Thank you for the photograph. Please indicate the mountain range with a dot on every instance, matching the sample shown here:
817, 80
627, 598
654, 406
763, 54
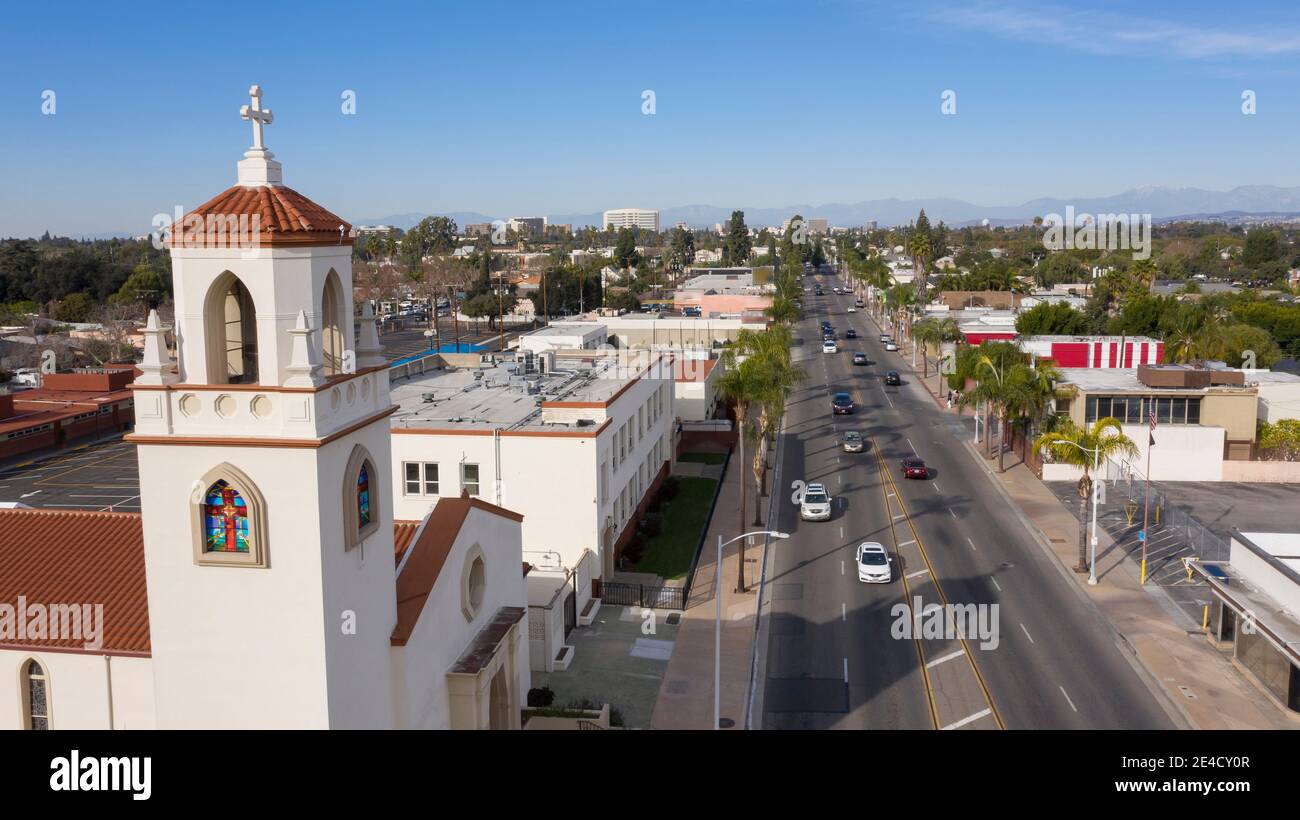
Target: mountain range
1162, 202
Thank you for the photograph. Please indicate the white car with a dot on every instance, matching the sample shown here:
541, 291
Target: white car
852, 309
874, 564
891, 345
829, 346
815, 504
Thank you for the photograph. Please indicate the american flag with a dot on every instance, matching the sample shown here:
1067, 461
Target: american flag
1152, 416
1152, 435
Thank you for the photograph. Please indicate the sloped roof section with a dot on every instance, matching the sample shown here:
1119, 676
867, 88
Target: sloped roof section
268, 214
60, 559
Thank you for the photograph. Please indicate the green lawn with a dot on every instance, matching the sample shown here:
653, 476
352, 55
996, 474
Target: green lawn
703, 458
669, 554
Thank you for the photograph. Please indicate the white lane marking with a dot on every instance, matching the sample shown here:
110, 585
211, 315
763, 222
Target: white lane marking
839, 479
1027, 635
900, 515
932, 664
846, 670
981, 713
919, 572
908, 542
995, 584
844, 612
841, 533
891, 494
950, 512
936, 487
841, 567
1067, 699
29, 495
913, 446
972, 544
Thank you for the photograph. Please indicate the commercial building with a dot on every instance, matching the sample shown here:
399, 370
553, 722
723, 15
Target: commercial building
67, 407
534, 226
645, 219
1094, 351
1255, 613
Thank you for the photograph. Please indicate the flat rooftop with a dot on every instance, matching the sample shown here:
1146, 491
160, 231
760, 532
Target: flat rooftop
568, 329
505, 397
1125, 380
1284, 546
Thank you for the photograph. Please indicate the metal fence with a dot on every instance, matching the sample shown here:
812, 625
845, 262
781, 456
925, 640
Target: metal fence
1170, 528
617, 593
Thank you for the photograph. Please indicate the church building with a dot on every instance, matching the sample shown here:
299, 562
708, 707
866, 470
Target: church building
265, 582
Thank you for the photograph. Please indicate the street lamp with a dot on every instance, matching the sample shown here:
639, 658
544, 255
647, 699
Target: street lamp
1096, 465
717, 627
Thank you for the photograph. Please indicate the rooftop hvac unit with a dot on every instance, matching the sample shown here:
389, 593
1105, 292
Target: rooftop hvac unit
478, 375
534, 386
428, 397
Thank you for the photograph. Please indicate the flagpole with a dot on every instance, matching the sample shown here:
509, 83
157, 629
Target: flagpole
1146, 497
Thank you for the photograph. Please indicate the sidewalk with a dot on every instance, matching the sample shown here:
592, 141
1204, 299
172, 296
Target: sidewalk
686, 694
1197, 679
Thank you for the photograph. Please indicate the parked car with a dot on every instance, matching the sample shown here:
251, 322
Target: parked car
884, 337
859, 358
852, 442
859, 303
914, 467
874, 563
891, 345
815, 504
842, 404
829, 346
892, 379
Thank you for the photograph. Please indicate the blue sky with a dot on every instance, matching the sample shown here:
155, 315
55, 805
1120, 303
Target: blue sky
508, 108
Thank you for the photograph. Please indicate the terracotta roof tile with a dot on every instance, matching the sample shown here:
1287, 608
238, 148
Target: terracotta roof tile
403, 532
53, 557
427, 556
284, 216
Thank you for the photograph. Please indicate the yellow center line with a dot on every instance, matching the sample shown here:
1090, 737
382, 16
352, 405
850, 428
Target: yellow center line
939, 588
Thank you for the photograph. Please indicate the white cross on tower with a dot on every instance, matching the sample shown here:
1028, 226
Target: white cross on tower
255, 113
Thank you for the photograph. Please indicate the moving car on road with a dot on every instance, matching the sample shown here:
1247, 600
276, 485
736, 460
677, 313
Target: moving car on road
892, 379
852, 442
914, 467
859, 358
852, 309
816, 503
829, 346
850, 334
884, 337
874, 563
842, 404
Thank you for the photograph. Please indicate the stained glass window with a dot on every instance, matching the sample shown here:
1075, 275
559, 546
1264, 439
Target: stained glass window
38, 710
225, 520
363, 497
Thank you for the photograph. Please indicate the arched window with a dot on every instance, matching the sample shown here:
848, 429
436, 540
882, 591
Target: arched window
332, 321
36, 700
231, 326
229, 519
225, 519
362, 496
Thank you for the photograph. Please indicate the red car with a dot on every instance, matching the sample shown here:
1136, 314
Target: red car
915, 468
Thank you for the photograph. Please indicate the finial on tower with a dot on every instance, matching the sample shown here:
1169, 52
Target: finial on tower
258, 166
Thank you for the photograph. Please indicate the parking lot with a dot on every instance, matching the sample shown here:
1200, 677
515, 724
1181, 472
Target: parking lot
99, 476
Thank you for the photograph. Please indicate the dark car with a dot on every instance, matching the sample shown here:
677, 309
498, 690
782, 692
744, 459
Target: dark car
915, 468
891, 378
842, 404
859, 358
850, 334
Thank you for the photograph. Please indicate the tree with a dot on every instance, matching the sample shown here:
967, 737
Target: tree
918, 247
1240, 341
144, 285
1280, 440
735, 249
622, 300
625, 253
1081, 447
1049, 319
75, 307
1261, 247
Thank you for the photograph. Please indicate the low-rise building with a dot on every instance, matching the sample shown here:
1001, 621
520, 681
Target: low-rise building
65, 408
1255, 610
1094, 351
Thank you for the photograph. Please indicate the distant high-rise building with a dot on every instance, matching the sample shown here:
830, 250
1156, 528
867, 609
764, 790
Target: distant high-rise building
642, 218
531, 225
478, 229
817, 225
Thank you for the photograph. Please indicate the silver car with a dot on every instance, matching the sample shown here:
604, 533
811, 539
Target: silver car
852, 442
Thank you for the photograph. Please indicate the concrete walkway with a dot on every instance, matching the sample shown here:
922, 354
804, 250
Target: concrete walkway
686, 694
1199, 681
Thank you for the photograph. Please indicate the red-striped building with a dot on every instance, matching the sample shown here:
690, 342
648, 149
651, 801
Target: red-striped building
1095, 351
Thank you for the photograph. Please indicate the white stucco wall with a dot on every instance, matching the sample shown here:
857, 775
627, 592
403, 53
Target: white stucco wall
442, 632
77, 690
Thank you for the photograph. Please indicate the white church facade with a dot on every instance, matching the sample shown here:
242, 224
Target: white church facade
265, 583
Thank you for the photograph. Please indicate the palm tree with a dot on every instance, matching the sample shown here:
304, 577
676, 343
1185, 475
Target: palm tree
1082, 447
740, 386
926, 332
918, 247
782, 310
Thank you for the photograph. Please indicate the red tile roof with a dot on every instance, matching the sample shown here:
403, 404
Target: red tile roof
284, 216
403, 532
428, 555
51, 557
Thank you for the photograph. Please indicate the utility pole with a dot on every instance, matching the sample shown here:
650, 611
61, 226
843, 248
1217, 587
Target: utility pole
1146, 493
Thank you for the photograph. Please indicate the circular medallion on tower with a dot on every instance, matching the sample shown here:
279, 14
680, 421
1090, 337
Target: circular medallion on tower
226, 405
260, 406
190, 404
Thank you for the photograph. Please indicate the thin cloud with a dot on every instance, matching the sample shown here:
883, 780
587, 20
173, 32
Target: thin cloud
1102, 32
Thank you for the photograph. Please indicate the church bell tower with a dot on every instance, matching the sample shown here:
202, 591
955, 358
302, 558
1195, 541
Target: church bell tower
265, 474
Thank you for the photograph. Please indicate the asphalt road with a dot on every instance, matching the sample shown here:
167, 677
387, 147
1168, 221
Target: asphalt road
832, 658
